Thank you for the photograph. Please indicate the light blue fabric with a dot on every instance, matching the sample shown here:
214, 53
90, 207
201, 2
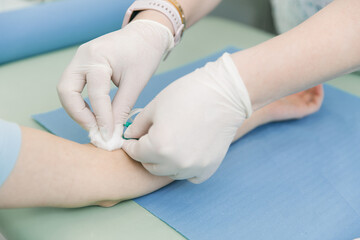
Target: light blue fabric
10, 143
50, 26
290, 13
288, 180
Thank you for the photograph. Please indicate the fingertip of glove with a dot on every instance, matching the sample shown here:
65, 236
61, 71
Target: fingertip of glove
126, 146
128, 133
196, 180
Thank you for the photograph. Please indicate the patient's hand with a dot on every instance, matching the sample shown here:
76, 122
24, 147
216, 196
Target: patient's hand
294, 106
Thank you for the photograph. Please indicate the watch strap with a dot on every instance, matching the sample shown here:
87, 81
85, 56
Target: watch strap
165, 7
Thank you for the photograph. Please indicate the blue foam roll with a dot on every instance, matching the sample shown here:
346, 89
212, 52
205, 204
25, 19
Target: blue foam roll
50, 26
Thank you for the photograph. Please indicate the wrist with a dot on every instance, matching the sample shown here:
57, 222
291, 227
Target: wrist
245, 65
263, 116
258, 118
157, 17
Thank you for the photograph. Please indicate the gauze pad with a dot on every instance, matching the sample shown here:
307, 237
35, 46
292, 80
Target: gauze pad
117, 140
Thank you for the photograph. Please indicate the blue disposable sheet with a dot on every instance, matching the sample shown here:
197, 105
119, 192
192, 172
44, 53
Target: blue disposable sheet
49, 26
289, 180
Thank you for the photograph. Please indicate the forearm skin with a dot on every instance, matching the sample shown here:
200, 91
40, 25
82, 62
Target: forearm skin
323, 47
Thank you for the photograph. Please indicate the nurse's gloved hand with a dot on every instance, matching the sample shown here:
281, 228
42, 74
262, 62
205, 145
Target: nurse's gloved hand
185, 132
128, 58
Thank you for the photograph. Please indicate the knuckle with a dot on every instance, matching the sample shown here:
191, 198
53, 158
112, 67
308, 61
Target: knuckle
121, 116
89, 48
83, 48
94, 49
62, 88
66, 81
124, 111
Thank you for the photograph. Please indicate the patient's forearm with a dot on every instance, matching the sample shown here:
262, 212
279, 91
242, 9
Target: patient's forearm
52, 171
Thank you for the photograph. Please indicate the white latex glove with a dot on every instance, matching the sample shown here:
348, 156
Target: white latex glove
127, 57
187, 129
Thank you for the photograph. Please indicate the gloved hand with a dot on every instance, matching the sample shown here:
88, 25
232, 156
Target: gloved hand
128, 58
187, 129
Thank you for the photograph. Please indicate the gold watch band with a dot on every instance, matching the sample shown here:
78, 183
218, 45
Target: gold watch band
180, 10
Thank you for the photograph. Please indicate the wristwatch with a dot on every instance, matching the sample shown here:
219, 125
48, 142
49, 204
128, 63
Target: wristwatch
171, 9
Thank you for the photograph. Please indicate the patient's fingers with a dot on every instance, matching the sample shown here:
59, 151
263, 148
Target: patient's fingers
316, 96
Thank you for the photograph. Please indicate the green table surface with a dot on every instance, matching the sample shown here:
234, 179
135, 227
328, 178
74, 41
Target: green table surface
29, 86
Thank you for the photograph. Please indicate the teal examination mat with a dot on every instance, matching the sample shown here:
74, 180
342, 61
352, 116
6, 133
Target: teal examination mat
297, 179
